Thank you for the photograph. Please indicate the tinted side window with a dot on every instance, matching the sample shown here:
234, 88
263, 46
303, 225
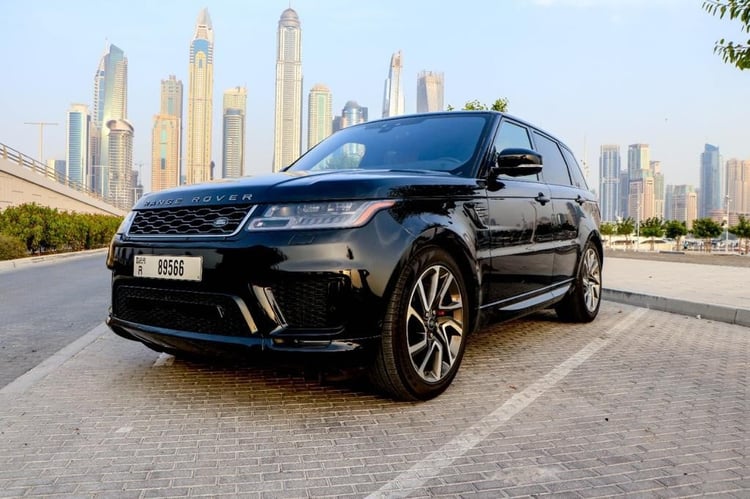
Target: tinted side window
554, 169
575, 170
512, 135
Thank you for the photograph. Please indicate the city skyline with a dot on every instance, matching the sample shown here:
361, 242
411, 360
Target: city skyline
686, 101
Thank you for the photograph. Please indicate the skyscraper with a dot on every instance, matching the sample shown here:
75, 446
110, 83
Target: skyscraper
287, 141
77, 144
609, 182
638, 170
120, 154
738, 188
319, 114
233, 152
166, 138
353, 114
711, 182
683, 204
110, 103
200, 101
656, 173
393, 97
430, 89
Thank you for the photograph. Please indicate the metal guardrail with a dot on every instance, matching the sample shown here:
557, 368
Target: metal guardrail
17, 157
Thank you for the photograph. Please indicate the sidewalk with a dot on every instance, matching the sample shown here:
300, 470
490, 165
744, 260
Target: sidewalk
712, 292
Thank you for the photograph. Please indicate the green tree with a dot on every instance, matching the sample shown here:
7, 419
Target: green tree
706, 229
608, 229
675, 229
734, 53
742, 231
500, 104
625, 227
651, 228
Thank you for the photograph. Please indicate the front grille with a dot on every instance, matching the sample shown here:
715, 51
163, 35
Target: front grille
194, 311
189, 221
310, 302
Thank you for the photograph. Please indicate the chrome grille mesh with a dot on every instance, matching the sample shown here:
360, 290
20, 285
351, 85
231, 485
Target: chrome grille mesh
189, 221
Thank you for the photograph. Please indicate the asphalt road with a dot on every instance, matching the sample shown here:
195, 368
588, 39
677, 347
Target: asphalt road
45, 306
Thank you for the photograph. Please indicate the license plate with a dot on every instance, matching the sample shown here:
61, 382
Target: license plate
182, 268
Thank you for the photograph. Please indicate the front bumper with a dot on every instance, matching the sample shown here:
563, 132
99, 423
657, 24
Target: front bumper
296, 293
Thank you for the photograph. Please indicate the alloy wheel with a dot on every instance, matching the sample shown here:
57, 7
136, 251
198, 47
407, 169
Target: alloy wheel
435, 323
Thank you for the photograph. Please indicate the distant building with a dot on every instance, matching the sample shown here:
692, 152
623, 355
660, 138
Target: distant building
77, 145
56, 169
233, 150
638, 169
288, 109
200, 101
393, 96
319, 114
166, 137
110, 103
738, 187
683, 204
430, 90
120, 154
609, 182
353, 114
711, 182
656, 173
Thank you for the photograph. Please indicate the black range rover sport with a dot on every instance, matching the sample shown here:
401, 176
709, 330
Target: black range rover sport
387, 243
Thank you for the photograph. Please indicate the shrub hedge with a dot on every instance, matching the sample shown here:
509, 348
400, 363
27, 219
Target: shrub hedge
40, 229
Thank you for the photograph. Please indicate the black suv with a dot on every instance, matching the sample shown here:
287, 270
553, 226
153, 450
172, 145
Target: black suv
386, 244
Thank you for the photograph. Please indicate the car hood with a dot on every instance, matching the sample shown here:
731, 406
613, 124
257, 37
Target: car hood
300, 186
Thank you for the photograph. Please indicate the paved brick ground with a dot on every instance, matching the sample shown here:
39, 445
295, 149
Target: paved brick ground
656, 408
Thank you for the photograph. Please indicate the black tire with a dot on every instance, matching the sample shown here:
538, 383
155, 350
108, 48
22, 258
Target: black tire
424, 330
582, 303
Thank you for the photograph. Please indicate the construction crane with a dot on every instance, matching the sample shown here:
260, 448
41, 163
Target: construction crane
41, 125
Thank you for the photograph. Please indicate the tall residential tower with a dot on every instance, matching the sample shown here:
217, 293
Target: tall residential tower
166, 138
110, 103
77, 144
609, 182
711, 182
430, 89
287, 141
233, 151
200, 101
393, 98
319, 114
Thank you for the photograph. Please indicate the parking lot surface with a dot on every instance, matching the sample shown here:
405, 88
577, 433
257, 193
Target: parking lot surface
639, 403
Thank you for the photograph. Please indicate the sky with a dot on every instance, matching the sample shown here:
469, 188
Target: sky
591, 72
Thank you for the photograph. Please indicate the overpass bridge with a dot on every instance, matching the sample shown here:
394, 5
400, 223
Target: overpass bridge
26, 180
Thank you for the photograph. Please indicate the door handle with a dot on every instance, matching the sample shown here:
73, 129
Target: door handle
541, 199
580, 199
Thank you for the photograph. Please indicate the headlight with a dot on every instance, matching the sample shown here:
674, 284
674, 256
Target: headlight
125, 225
323, 215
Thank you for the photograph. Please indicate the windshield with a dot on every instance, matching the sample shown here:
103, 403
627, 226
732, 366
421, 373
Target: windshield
440, 142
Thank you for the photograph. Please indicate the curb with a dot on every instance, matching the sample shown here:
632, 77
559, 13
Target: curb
31, 260
706, 311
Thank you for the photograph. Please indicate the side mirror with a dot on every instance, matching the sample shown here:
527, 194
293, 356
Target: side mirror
517, 162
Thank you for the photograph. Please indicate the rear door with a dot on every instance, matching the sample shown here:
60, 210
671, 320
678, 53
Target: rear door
567, 203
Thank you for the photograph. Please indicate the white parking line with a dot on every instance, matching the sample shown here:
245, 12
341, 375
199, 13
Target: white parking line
23, 382
429, 468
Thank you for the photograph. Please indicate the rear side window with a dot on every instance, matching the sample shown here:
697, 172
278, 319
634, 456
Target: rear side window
575, 170
554, 169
